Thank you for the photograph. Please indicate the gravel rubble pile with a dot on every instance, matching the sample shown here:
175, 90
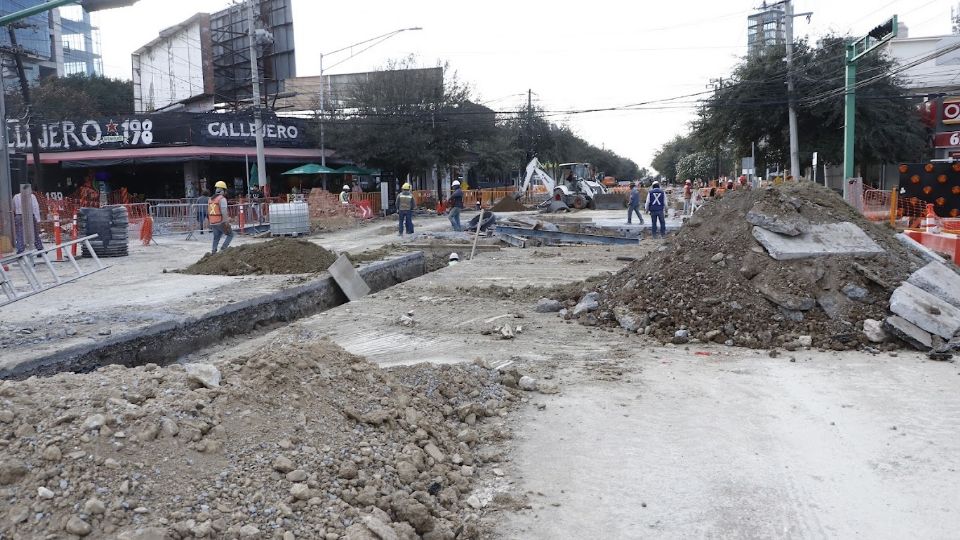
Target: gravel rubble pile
276, 256
301, 441
714, 282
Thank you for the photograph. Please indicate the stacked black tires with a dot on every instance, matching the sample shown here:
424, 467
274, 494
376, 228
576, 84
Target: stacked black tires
111, 224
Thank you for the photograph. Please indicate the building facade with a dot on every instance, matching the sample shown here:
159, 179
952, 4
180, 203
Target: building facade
59, 42
766, 28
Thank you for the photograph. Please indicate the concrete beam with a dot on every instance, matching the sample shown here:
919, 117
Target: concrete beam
842, 238
925, 310
940, 281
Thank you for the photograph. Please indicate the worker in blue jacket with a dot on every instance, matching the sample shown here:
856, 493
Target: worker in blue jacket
656, 205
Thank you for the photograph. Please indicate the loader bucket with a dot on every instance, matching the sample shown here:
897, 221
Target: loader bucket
610, 201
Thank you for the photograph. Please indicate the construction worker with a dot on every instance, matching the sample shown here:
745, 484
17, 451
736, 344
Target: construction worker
453, 260
405, 206
455, 203
33, 210
345, 195
218, 216
203, 202
656, 204
687, 196
634, 206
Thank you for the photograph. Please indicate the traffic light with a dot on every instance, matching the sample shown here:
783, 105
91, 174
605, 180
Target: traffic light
97, 5
882, 31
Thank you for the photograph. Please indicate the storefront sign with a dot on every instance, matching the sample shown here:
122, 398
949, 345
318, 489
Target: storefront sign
947, 140
951, 111
172, 129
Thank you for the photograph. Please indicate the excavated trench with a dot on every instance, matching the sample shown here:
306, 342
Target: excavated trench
165, 342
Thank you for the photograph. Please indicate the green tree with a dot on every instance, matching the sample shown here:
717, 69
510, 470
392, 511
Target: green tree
666, 158
75, 96
405, 120
698, 165
752, 107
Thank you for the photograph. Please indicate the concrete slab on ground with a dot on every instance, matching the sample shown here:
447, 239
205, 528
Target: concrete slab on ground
842, 238
925, 310
939, 280
348, 279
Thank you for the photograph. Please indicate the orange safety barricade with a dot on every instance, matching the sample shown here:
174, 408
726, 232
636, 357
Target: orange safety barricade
146, 231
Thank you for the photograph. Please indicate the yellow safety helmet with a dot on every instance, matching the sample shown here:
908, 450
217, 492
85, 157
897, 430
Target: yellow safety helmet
406, 186
220, 185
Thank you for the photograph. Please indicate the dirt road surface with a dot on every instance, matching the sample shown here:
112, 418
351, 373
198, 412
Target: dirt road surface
744, 446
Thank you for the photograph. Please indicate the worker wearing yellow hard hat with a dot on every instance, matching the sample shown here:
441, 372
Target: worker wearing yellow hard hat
405, 207
218, 216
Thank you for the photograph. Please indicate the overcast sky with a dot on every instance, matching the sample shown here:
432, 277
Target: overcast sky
573, 55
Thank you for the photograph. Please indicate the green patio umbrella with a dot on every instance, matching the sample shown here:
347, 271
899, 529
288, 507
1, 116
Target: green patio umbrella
311, 168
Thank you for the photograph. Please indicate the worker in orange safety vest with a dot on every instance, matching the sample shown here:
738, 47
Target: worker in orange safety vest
218, 216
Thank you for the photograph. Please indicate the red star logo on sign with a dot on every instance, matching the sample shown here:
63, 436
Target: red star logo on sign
111, 128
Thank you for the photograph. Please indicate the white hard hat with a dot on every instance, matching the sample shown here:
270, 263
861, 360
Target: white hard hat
456, 182
346, 188
454, 257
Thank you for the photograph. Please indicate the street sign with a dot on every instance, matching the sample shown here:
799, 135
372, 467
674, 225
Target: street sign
947, 140
951, 110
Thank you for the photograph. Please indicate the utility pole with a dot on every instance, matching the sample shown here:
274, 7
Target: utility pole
529, 124
717, 85
6, 190
32, 128
856, 50
794, 138
323, 93
257, 112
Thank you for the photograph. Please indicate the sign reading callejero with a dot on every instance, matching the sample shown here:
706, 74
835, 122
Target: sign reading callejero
173, 129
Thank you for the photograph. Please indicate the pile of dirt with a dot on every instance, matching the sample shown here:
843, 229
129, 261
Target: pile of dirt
716, 282
508, 204
277, 256
302, 439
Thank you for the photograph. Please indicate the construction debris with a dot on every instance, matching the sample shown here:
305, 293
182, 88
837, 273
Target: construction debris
508, 204
301, 440
725, 278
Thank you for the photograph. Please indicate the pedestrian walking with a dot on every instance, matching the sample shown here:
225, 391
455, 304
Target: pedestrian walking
405, 207
656, 204
218, 216
634, 206
202, 201
34, 209
345, 195
455, 203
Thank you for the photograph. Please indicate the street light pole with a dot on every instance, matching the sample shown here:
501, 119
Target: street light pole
323, 86
257, 112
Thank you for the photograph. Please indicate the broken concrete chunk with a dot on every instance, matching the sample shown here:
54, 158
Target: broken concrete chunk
908, 332
626, 319
527, 383
548, 305
786, 300
873, 329
925, 310
854, 291
938, 280
788, 224
589, 302
842, 238
205, 374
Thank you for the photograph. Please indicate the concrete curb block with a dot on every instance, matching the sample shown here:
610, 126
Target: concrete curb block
164, 342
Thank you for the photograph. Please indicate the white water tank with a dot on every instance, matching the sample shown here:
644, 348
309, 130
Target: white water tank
289, 219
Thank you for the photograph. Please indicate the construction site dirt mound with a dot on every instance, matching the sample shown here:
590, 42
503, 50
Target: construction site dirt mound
276, 256
301, 438
508, 204
714, 282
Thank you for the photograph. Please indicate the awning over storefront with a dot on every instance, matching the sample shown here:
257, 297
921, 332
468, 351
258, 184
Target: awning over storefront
177, 154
